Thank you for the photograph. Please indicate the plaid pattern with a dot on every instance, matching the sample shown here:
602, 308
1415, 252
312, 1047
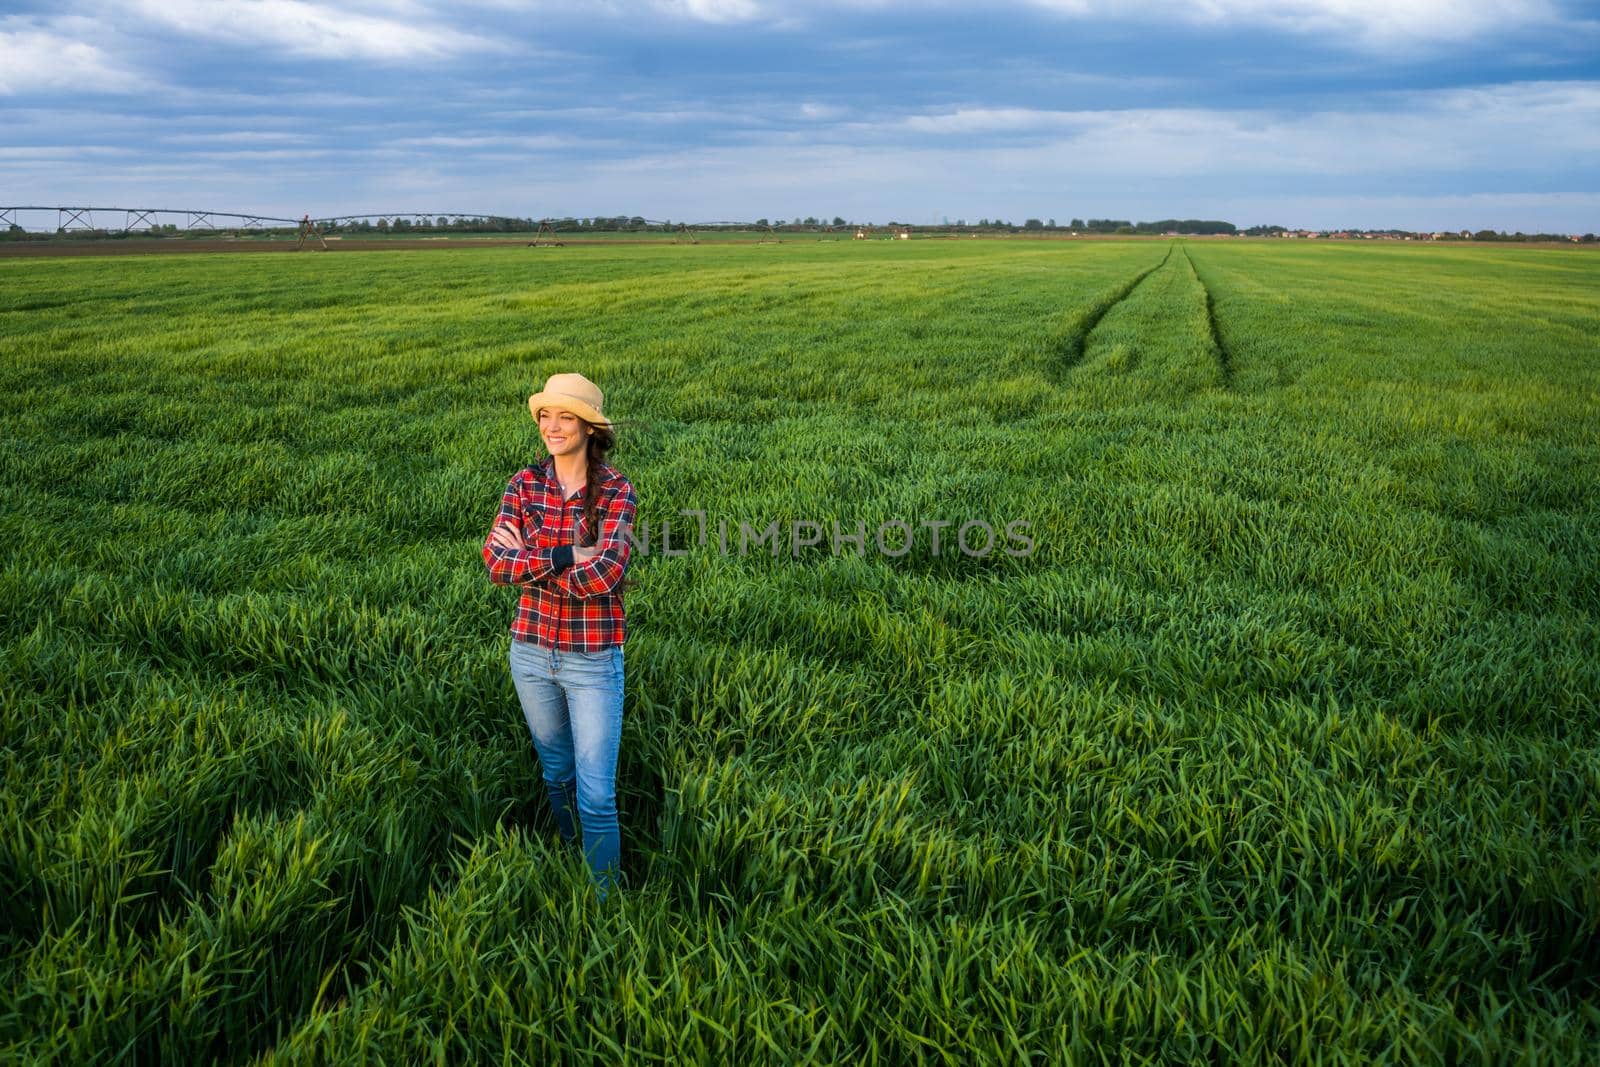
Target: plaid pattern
577, 610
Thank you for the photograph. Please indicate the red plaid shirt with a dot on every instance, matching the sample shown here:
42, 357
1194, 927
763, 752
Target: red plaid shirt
579, 609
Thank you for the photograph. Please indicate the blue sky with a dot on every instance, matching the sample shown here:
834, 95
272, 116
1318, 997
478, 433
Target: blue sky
1313, 113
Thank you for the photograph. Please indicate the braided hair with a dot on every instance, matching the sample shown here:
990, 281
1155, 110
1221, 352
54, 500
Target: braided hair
603, 440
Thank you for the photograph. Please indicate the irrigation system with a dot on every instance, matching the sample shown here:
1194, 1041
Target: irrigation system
34, 218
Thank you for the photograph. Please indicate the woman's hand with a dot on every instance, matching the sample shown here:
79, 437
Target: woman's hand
506, 535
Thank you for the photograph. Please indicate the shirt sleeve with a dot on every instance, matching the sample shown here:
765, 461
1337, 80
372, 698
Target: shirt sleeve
510, 566
599, 575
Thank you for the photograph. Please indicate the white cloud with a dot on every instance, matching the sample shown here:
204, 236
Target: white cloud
1405, 165
390, 29
1553, 122
66, 152
714, 10
1381, 24
972, 120
721, 11
1369, 24
317, 29
471, 147
1377, 23
51, 58
236, 137
815, 112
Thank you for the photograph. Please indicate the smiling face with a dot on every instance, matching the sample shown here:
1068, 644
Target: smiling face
563, 432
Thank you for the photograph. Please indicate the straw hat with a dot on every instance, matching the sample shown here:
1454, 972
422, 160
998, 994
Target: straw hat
570, 392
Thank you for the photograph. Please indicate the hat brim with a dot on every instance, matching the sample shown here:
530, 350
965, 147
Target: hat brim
563, 402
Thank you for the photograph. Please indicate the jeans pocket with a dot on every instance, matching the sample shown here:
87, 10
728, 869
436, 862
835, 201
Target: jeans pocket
601, 668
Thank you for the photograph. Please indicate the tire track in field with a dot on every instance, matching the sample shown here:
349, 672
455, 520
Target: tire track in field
1219, 349
1065, 345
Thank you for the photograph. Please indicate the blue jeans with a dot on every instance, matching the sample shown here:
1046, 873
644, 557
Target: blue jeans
573, 704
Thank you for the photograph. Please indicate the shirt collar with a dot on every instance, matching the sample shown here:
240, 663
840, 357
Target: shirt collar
547, 471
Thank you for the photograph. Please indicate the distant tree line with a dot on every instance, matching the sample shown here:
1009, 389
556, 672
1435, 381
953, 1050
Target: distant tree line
1195, 227
1492, 235
1420, 235
811, 223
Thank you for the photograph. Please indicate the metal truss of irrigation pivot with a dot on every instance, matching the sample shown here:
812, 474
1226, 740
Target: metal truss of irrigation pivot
44, 218
35, 218
130, 219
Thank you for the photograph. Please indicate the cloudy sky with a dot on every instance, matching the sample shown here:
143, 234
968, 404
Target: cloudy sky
1419, 114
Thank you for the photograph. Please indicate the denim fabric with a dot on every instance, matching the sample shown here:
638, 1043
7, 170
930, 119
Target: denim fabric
573, 704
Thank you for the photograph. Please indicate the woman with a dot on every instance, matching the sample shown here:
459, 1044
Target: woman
562, 535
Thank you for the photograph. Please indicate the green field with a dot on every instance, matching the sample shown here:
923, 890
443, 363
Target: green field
1282, 744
